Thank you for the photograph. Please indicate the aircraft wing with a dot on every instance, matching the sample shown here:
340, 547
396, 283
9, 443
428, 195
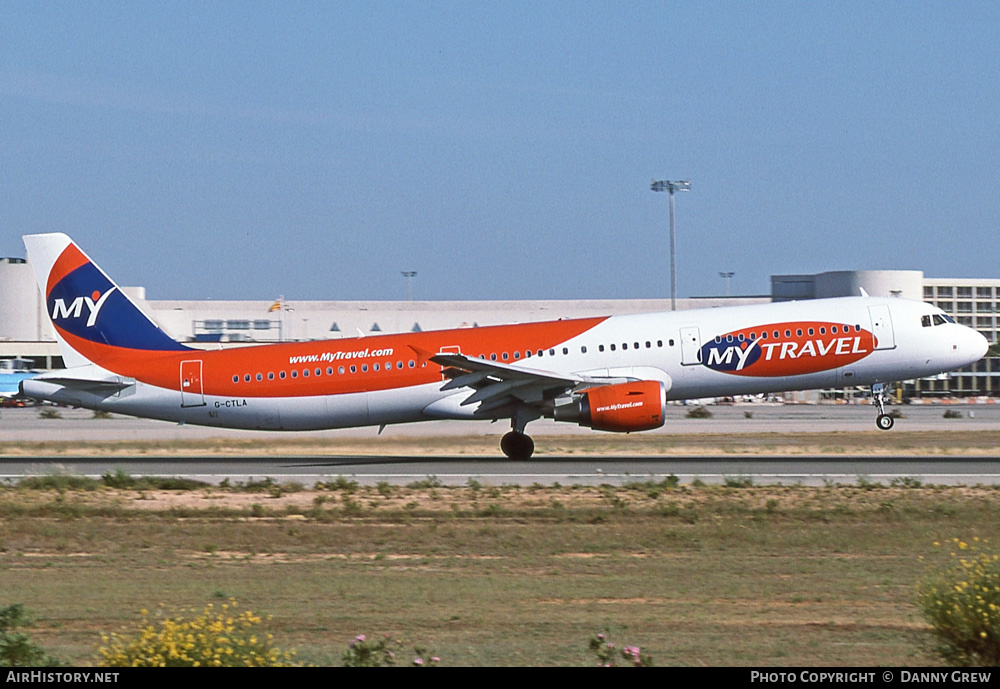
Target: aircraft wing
496, 385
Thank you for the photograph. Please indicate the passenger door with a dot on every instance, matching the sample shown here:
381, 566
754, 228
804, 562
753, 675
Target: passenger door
192, 392
690, 345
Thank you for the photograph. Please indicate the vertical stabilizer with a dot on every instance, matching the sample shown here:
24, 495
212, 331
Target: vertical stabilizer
92, 317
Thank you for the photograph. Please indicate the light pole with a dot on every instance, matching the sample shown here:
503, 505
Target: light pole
409, 275
665, 185
725, 276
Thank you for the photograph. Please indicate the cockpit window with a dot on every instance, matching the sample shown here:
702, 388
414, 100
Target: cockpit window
936, 319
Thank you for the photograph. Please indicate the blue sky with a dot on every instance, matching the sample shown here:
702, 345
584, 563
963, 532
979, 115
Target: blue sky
503, 150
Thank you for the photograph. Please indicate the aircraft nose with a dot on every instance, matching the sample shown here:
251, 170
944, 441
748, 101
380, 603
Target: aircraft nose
980, 345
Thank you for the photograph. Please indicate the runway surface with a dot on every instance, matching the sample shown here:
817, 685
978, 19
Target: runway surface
25, 425
547, 471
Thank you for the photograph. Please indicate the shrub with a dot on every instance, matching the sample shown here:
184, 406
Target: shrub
382, 652
17, 648
341, 483
699, 413
608, 655
222, 637
962, 604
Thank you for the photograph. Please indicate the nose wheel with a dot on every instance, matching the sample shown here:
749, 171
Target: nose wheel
883, 420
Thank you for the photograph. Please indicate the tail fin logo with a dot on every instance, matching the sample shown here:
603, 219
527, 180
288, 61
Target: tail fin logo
94, 302
77, 299
87, 308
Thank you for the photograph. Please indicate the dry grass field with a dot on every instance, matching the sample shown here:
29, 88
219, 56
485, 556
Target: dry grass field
696, 575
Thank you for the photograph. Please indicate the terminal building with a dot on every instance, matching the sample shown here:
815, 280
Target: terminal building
26, 333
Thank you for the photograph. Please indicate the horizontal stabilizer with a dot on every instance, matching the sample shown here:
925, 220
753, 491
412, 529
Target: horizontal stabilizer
96, 386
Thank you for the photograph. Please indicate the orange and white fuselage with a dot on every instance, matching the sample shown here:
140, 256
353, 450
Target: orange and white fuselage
612, 373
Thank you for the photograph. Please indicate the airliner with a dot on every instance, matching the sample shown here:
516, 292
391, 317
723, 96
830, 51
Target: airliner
613, 373
12, 372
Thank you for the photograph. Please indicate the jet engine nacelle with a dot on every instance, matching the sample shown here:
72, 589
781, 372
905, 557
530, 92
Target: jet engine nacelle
625, 407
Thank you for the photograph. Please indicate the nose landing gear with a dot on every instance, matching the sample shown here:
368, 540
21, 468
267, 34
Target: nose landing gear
883, 421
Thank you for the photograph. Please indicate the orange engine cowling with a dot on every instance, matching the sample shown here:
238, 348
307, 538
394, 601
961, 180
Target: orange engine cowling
638, 406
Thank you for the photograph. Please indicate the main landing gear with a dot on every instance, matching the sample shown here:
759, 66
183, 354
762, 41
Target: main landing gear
517, 445
883, 420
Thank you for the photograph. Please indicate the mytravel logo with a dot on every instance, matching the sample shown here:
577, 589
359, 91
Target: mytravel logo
787, 349
83, 302
74, 309
76, 300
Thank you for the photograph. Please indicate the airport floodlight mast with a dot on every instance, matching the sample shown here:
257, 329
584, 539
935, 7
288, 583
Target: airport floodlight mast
409, 275
725, 275
665, 185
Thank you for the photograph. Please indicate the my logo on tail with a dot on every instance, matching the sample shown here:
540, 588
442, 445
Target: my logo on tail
83, 303
93, 303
